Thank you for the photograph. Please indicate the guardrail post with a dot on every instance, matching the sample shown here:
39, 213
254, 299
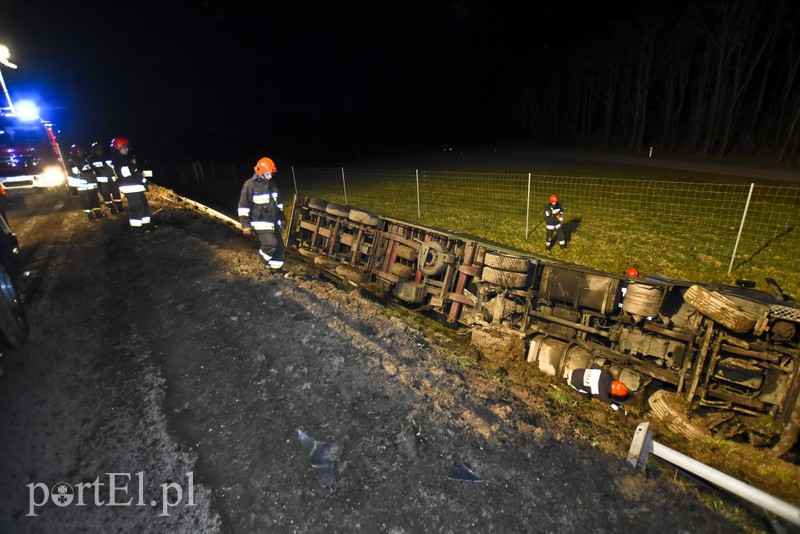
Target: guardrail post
643, 445
741, 226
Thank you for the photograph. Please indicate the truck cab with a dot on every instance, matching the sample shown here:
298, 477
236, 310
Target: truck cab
30, 159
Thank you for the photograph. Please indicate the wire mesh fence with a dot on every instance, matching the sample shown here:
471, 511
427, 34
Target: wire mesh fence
709, 231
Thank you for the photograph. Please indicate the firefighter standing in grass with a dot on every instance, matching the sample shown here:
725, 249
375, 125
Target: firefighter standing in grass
597, 383
553, 215
82, 178
261, 211
131, 183
106, 179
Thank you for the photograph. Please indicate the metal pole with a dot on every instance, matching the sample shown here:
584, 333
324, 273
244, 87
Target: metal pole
5, 91
344, 186
419, 212
741, 226
528, 207
294, 179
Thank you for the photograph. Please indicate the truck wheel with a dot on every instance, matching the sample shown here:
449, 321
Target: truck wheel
719, 308
338, 210
490, 340
317, 204
364, 217
310, 254
13, 324
504, 278
506, 262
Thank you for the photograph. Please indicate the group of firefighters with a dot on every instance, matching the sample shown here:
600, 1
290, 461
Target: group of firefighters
110, 173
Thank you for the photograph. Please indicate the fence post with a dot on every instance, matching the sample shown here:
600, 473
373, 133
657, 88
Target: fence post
528, 208
741, 227
344, 186
419, 212
294, 179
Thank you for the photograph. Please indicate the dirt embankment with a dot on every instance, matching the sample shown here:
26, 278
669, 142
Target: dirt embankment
175, 353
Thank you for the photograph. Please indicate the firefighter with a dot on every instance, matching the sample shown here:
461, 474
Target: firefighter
553, 215
82, 178
261, 211
106, 179
131, 183
597, 383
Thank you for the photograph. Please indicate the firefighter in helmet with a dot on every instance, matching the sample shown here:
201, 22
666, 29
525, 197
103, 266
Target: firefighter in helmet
261, 211
553, 215
106, 179
131, 183
597, 383
82, 178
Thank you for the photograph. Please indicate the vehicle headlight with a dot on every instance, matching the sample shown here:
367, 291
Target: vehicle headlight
53, 175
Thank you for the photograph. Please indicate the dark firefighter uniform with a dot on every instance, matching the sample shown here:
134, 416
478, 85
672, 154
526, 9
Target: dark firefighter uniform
597, 383
131, 183
106, 179
261, 209
82, 178
594, 383
553, 214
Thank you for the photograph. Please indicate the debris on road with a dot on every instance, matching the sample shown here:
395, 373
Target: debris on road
463, 473
323, 456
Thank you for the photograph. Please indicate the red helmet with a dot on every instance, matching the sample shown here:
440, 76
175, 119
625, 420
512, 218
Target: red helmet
553, 199
632, 272
119, 142
265, 165
77, 151
618, 389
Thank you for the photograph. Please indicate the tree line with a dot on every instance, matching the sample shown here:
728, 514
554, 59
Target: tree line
714, 78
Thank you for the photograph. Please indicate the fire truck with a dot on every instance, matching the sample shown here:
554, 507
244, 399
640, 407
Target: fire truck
30, 158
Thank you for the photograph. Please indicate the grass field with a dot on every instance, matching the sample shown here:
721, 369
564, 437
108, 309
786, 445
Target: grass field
672, 223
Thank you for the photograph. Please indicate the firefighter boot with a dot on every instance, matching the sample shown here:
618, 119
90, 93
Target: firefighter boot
99, 213
118, 204
89, 215
112, 208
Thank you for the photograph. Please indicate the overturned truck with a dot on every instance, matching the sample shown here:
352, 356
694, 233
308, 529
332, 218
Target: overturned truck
707, 359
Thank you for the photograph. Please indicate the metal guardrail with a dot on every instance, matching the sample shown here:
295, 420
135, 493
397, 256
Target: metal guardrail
643, 445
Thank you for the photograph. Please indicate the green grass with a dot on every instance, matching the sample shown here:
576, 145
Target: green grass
617, 217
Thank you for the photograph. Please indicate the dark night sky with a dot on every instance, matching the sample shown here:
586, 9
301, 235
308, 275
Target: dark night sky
301, 80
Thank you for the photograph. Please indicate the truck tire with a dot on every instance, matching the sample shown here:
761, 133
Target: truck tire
326, 263
720, 309
338, 210
317, 204
349, 273
506, 262
490, 340
310, 254
364, 217
504, 278
13, 323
